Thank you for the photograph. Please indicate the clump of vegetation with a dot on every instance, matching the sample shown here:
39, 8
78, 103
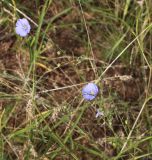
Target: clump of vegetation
75, 80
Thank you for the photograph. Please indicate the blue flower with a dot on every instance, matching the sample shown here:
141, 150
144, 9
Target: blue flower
99, 113
90, 91
22, 27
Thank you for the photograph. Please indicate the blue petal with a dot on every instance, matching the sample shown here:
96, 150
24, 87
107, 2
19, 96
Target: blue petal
24, 21
20, 31
88, 97
19, 23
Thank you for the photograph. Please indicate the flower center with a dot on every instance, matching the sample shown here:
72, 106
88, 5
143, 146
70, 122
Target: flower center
25, 27
92, 93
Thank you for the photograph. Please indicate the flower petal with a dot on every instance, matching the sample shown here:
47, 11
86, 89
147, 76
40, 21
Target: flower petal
88, 97
20, 31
